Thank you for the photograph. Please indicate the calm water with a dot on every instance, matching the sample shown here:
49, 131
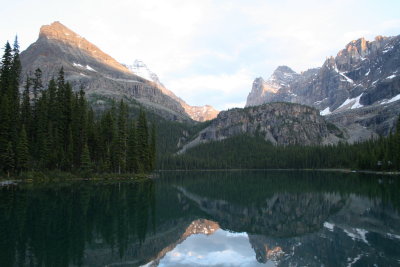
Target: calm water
205, 219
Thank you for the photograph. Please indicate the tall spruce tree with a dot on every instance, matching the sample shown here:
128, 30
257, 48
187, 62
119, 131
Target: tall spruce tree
22, 150
122, 136
5, 71
132, 151
9, 160
143, 143
4, 130
86, 164
152, 148
37, 84
26, 111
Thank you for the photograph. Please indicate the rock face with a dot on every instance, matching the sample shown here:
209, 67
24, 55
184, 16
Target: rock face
100, 75
278, 123
361, 75
197, 113
264, 91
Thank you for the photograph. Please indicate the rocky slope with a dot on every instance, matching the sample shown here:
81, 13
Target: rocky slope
363, 74
278, 123
197, 113
100, 75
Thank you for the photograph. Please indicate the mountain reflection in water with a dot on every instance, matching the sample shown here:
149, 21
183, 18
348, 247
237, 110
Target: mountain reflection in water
247, 218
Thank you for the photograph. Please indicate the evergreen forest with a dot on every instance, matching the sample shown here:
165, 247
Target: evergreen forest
253, 152
53, 128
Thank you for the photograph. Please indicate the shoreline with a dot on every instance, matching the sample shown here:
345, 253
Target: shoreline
322, 170
14, 180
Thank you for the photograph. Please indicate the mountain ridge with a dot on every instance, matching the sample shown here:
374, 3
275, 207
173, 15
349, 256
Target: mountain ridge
197, 113
85, 65
278, 123
362, 74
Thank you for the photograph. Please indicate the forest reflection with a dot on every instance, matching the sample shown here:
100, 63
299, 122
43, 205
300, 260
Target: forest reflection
133, 223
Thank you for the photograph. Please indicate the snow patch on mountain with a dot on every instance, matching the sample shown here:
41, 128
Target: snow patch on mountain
393, 99
140, 69
351, 103
325, 112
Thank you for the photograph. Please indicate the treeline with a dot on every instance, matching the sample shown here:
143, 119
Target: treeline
245, 152
54, 128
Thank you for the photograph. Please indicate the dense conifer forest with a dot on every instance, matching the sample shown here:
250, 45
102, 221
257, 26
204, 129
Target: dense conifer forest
53, 128
246, 152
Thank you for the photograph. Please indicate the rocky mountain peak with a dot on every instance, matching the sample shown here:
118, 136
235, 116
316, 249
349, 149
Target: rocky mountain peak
197, 113
262, 91
141, 69
258, 83
59, 32
284, 69
283, 76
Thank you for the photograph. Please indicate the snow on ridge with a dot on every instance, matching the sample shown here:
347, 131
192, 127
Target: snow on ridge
391, 76
329, 226
77, 65
360, 234
393, 99
351, 262
139, 68
83, 67
90, 68
354, 102
387, 49
343, 75
392, 236
326, 111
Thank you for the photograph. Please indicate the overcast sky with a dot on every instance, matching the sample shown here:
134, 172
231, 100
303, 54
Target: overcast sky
209, 51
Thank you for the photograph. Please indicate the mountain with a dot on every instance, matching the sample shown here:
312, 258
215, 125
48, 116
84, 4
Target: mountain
197, 113
278, 123
101, 76
262, 91
364, 74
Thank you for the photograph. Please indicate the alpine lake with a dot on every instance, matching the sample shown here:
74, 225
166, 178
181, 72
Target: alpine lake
204, 218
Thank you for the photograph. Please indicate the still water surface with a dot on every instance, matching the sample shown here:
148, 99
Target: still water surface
238, 218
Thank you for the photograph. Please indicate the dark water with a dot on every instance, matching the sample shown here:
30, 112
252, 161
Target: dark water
205, 219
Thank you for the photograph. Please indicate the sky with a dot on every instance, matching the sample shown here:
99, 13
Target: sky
209, 51
222, 248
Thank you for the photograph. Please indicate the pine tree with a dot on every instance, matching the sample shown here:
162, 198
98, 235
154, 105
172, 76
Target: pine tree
143, 144
5, 72
122, 136
13, 94
26, 112
8, 160
4, 130
132, 156
22, 150
37, 84
86, 164
152, 152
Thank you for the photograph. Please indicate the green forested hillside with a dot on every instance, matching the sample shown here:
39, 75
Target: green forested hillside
254, 153
50, 127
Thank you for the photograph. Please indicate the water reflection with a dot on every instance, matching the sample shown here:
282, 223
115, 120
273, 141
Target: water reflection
205, 218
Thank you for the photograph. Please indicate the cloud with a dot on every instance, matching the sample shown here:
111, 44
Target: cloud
223, 248
220, 90
211, 47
